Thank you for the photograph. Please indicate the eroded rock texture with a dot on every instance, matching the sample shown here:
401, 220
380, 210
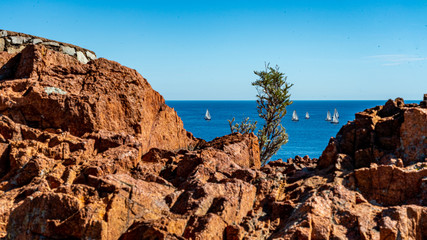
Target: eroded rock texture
90, 151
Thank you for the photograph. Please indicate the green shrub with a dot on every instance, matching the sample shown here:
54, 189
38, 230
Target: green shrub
272, 99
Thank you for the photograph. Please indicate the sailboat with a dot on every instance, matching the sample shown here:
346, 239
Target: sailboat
307, 116
335, 117
294, 116
336, 113
328, 116
207, 115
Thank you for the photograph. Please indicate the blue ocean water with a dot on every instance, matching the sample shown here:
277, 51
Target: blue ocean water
306, 137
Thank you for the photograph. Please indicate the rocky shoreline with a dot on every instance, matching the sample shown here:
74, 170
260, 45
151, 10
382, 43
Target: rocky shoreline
91, 151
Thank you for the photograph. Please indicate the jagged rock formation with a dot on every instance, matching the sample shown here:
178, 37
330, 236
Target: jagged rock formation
90, 151
393, 133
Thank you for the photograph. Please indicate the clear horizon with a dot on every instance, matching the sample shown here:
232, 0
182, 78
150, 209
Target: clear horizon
330, 50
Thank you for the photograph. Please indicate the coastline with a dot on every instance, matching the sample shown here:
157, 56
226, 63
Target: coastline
305, 137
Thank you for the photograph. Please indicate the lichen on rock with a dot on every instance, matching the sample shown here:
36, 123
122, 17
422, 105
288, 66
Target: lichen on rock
50, 90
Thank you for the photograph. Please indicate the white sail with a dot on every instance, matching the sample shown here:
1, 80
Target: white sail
335, 119
328, 116
336, 113
294, 116
207, 115
307, 116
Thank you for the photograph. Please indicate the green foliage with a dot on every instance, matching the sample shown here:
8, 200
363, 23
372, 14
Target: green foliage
246, 126
273, 97
421, 166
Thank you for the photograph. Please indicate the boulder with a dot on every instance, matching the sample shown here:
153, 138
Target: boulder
79, 103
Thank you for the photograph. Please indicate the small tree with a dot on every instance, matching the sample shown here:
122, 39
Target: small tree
273, 98
244, 127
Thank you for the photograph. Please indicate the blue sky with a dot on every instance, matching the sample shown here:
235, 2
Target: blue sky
192, 50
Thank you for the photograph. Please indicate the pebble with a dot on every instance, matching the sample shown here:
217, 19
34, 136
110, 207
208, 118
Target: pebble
51, 44
36, 41
90, 55
18, 40
81, 57
68, 50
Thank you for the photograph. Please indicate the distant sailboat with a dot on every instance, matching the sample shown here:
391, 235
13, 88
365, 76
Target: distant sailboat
294, 116
335, 117
328, 116
207, 115
307, 116
336, 113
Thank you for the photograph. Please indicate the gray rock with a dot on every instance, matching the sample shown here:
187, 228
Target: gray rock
2, 44
3, 33
50, 90
90, 55
51, 44
68, 50
13, 50
18, 40
81, 57
36, 41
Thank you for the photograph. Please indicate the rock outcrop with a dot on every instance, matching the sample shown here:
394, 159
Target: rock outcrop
90, 151
14, 42
101, 100
391, 134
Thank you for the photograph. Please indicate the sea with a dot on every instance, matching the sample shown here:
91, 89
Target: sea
306, 136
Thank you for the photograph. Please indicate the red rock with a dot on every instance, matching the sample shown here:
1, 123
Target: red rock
79, 103
233, 232
402, 222
329, 155
210, 226
413, 134
390, 185
245, 153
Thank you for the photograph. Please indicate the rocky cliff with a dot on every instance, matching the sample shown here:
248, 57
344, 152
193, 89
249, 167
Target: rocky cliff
91, 151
